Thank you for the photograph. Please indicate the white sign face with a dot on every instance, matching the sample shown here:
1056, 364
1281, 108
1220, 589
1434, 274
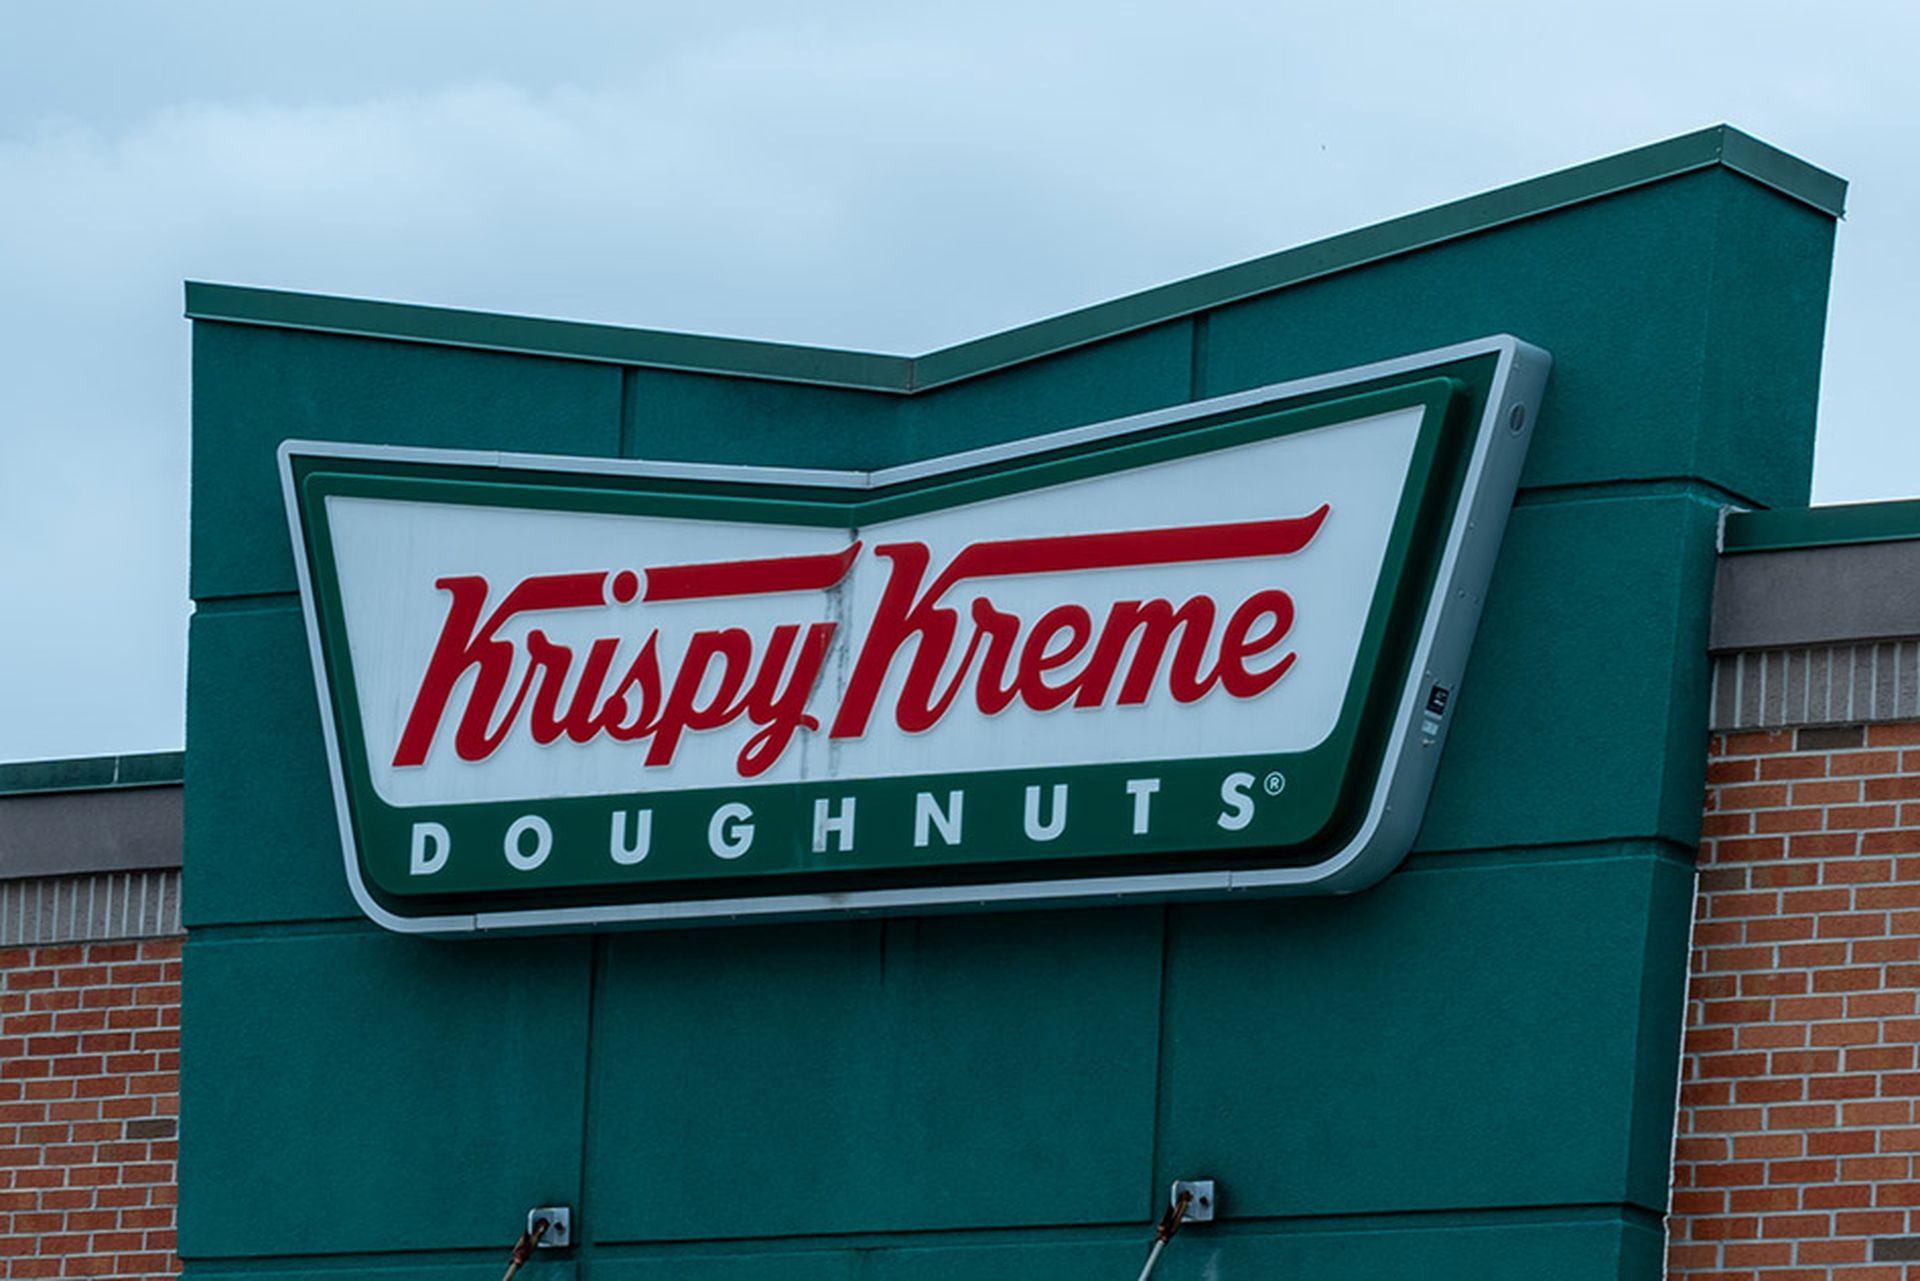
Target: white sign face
1046, 666
1191, 651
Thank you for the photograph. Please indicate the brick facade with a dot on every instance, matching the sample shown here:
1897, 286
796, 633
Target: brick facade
1798, 1149
89, 1100
1798, 1133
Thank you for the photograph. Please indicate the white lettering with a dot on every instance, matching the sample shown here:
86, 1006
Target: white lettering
1142, 790
928, 818
431, 845
1056, 822
625, 854
523, 860
837, 825
729, 835
1233, 794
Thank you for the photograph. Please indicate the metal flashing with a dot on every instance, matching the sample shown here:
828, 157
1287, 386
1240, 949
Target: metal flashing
92, 773
1843, 524
1720, 145
542, 336
1784, 172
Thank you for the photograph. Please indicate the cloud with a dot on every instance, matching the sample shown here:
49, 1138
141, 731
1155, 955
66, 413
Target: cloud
882, 179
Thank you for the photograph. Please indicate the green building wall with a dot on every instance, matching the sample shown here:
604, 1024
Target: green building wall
1468, 1071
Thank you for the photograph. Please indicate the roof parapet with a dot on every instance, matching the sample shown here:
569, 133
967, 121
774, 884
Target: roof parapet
1718, 146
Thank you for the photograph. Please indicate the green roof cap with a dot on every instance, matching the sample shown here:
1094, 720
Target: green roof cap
1791, 528
92, 773
1718, 146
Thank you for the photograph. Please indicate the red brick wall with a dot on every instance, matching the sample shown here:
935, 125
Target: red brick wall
89, 1096
1798, 1135
1798, 1145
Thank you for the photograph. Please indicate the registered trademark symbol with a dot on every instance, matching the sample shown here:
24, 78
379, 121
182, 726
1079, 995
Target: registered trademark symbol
1276, 783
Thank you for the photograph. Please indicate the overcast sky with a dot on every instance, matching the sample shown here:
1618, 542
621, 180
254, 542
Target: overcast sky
890, 177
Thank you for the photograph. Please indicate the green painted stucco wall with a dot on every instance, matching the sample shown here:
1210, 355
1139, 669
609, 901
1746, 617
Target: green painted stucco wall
1466, 1072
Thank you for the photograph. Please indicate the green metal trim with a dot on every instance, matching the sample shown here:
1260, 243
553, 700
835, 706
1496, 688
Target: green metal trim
538, 336
1784, 172
92, 773
1790, 528
1720, 145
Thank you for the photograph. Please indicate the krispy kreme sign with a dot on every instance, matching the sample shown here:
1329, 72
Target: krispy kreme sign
1208, 649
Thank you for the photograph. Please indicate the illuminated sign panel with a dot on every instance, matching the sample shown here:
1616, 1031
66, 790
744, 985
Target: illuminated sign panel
1200, 650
